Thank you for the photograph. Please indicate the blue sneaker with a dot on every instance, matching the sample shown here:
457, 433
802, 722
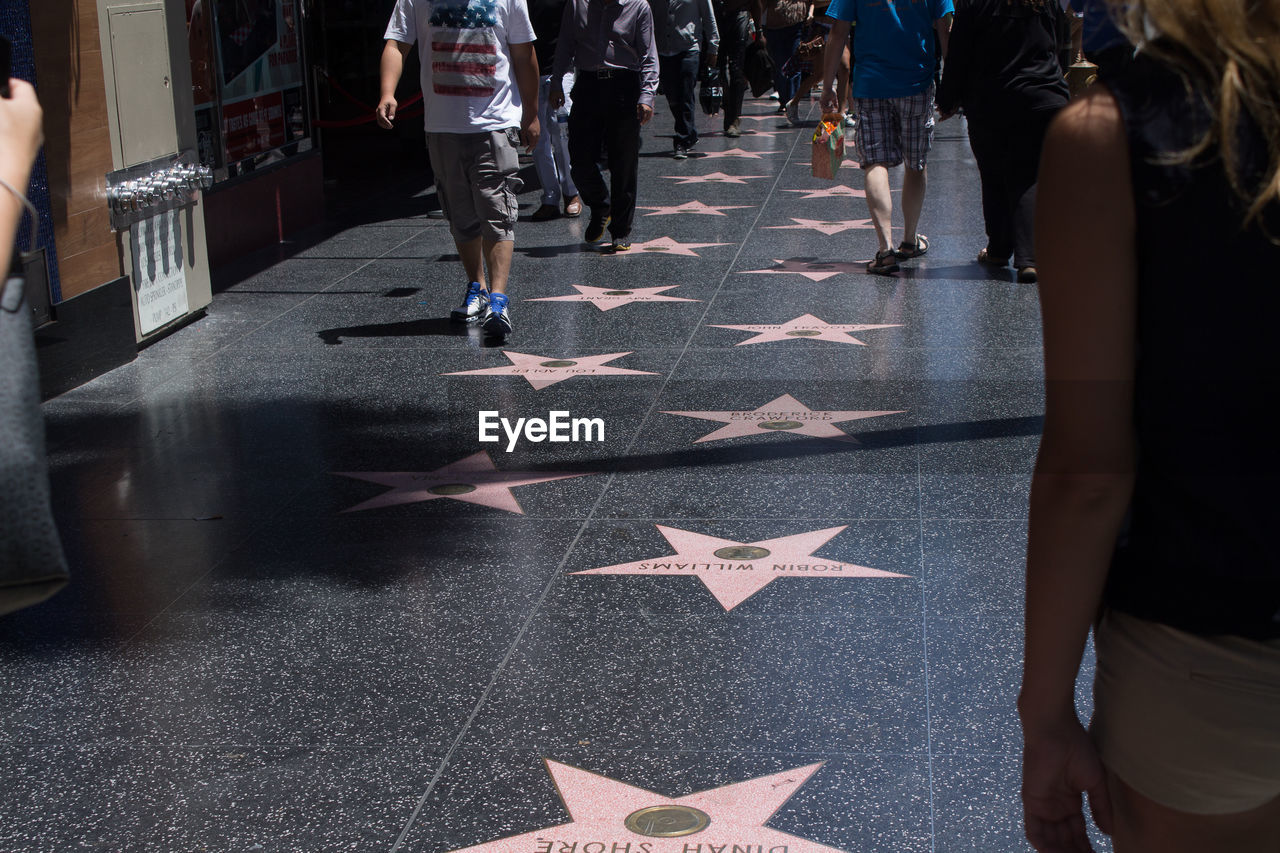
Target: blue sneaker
473, 304
496, 319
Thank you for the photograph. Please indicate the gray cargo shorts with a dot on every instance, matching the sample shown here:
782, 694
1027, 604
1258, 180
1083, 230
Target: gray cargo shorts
476, 181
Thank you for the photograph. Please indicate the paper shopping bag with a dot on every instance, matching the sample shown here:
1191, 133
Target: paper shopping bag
828, 146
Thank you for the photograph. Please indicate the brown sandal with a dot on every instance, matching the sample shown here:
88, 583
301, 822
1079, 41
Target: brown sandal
886, 263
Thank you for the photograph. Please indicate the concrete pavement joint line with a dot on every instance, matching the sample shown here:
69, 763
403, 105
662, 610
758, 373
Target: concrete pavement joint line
924, 628
546, 591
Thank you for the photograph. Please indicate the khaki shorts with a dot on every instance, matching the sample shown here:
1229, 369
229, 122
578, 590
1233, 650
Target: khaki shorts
1190, 722
476, 181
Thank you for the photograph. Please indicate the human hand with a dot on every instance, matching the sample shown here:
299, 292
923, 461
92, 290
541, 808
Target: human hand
20, 132
556, 97
386, 113
830, 103
1059, 763
644, 112
530, 130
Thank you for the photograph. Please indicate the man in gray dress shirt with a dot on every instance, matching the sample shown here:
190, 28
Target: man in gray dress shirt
681, 27
611, 44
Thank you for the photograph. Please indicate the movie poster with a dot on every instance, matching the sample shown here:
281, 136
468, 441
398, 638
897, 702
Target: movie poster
259, 73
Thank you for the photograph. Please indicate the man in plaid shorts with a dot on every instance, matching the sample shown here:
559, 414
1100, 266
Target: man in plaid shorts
893, 102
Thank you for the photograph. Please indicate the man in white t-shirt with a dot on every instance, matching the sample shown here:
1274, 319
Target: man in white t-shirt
480, 93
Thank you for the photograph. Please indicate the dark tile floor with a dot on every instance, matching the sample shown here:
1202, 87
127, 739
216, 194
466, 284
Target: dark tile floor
312, 611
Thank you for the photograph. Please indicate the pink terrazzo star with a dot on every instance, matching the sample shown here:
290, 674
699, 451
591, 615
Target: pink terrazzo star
694, 207
714, 178
542, 371
822, 227
474, 480
785, 414
765, 117
806, 327
844, 164
735, 571
606, 298
838, 191
621, 817
812, 270
669, 246
735, 153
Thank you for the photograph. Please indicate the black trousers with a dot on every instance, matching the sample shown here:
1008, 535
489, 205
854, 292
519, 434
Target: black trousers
734, 34
679, 77
604, 115
1007, 149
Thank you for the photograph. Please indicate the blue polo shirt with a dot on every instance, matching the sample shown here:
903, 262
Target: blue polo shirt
892, 43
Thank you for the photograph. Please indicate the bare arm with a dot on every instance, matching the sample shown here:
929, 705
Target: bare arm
390, 69
831, 55
1083, 478
943, 27
524, 65
20, 139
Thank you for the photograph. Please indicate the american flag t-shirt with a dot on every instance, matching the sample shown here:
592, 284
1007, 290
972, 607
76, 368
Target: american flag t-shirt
464, 49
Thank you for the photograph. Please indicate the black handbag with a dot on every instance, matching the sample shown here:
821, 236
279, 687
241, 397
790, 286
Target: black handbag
32, 564
757, 67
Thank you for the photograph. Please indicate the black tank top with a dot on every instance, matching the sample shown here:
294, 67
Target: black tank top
1198, 552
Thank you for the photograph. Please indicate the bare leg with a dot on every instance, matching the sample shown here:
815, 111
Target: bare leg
913, 186
498, 255
472, 259
805, 88
1144, 826
880, 203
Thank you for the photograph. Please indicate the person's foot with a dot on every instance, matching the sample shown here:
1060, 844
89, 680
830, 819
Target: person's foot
886, 263
497, 320
573, 206
680, 153
621, 244
545, 212
793, 112
988, 259
913, 248
474, 303
850, 120
1027, 275
595, 228
734, 130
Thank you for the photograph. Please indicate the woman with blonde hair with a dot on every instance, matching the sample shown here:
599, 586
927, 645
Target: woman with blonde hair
1154, 496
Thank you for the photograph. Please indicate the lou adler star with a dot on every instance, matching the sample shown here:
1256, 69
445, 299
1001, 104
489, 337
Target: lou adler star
735, 571
670, 246
807, 327
606, 298
693, 207
714, 178
812, 270
828, 228
837, 191
542, 371
617, 817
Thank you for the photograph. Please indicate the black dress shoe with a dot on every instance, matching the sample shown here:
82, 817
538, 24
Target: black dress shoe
547, 211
